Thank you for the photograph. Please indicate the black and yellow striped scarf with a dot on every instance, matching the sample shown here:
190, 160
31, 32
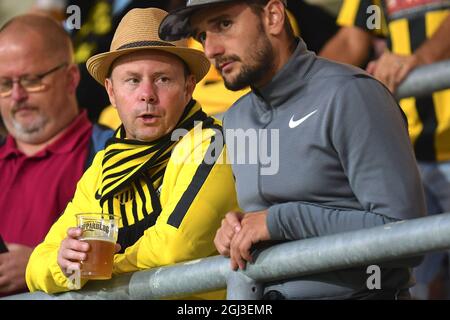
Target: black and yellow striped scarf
133, 170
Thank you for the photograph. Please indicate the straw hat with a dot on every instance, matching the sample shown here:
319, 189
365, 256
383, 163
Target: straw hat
138, 30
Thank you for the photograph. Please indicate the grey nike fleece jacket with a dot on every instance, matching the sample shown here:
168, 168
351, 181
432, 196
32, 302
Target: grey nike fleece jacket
345, 163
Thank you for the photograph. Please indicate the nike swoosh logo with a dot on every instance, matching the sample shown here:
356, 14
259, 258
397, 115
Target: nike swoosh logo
295, 123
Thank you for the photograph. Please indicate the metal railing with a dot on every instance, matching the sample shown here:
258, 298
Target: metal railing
389, 242
425, 80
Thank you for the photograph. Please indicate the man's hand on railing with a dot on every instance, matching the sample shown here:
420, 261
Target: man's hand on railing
231, 225
392, 69
238, 233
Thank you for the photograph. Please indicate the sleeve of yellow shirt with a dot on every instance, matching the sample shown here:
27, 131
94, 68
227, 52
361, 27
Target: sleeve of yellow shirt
198, 190
43, 272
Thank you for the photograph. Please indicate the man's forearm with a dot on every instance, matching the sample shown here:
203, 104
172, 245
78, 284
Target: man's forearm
350, 45
436, 48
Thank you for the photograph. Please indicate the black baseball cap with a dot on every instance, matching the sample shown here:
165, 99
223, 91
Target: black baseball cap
176, 26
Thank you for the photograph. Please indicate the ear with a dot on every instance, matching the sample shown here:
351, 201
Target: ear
110, 91
275, 15
189, 86
73, 75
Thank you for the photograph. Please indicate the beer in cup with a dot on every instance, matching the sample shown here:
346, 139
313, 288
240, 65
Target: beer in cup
100, 230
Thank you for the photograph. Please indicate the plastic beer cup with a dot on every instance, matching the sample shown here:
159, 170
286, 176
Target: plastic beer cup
100, 230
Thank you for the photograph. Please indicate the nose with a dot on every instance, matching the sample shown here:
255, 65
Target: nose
18, 93
212, 46
148, 93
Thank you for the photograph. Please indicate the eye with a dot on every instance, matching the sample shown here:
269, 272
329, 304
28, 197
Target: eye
163, 80
132, 80
225, 24
201, 37
5, 83
30, 82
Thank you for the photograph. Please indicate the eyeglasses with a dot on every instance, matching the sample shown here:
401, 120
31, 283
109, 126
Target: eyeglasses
31, 83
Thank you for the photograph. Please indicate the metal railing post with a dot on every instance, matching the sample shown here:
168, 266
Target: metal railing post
242, 287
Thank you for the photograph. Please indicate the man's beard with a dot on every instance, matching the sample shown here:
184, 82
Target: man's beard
261, 62
29, 131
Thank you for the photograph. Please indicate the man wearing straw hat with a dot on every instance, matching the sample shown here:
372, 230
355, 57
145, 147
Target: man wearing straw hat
162, 172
